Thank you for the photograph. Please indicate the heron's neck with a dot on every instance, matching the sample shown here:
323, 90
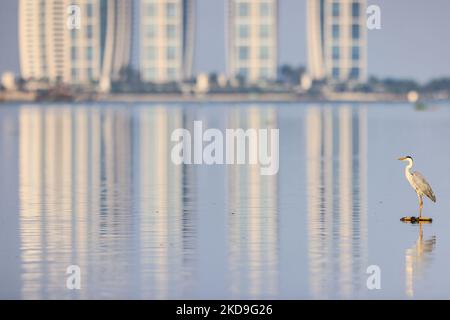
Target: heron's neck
408, 167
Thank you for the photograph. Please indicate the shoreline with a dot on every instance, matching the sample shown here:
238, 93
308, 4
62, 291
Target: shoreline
345, 97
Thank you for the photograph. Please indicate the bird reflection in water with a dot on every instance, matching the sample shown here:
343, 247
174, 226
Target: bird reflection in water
417, 259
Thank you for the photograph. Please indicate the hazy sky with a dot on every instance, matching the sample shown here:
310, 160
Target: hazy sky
414, 40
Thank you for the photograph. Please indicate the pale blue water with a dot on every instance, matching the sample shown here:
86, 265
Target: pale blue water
94, 186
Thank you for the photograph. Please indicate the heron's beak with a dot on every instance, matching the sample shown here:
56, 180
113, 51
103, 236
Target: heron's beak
402, 158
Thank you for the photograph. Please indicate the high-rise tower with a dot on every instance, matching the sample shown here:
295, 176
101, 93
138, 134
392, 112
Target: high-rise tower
252, 39
166, 40
337, 40
74, 41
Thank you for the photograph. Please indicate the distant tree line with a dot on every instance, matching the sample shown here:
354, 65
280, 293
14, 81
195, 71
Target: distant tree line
403, 86
289, 77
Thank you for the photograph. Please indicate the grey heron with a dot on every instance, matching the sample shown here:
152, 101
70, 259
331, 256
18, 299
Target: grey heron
419, 183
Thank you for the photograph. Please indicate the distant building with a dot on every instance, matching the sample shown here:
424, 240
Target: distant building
252, 39
202, 85
166, 40
337, 40
8, 81
74, 41
222, 80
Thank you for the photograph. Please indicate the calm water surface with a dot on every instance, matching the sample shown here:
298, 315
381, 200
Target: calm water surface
94, 186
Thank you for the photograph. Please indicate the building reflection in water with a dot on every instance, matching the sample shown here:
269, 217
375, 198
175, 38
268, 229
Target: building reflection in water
9, 222
252, 216
79, 171
336, 196
417, 259
165, 199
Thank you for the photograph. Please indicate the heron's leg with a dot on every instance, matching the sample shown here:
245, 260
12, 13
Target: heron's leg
420, 205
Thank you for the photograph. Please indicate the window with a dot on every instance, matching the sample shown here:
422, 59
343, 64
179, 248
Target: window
264, 72
89, 31
171, 73
243, 31
89, 10
355, 9
354, 73
243, 53
74, 73
335, 9
89, 53
335, 31
151, 53
264, 9
150, 31
73, 53
335, 73
171, 9
355, 53
264, 53
171, 31
264, 31
243, 72
150, 10
150, 73
171, 53
336, 53
243, 9
90, 73
355, 31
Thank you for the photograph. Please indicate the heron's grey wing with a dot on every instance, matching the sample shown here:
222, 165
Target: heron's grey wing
423, 185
